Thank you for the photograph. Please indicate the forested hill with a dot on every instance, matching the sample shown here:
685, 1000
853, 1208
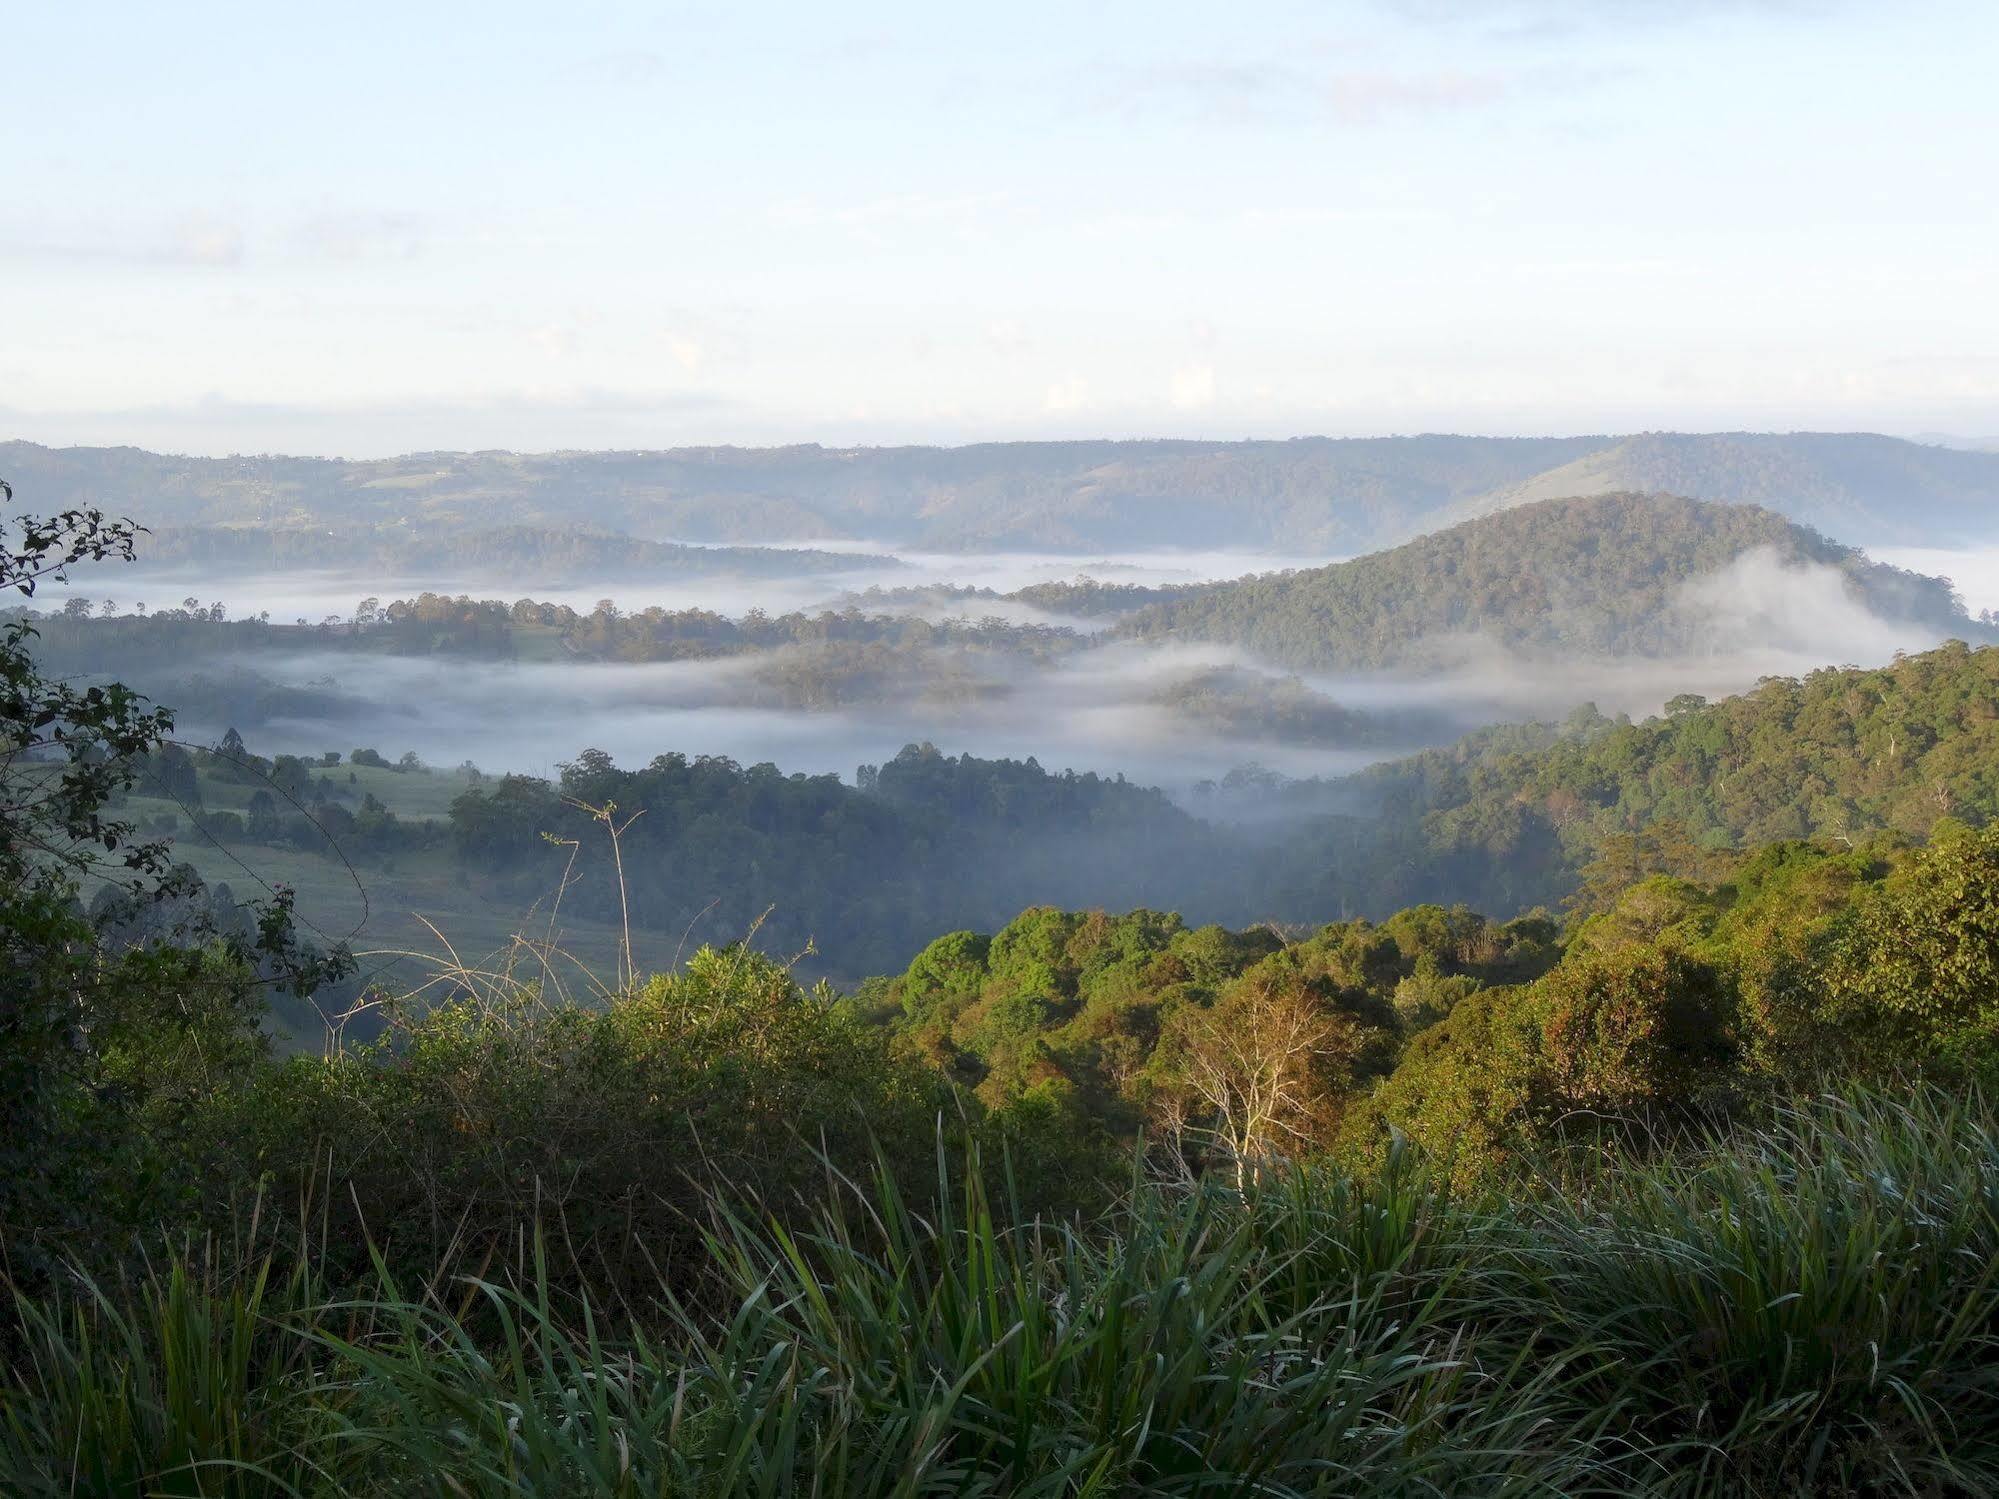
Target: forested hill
1604, 575
1514, 817
1307, 495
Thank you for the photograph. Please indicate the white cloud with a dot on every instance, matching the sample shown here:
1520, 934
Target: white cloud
1193, 387
197, 239
1070, 393
361, 234
204, 239
1273, 91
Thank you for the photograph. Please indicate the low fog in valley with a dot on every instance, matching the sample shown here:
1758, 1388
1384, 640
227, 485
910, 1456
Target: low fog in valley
1096, 709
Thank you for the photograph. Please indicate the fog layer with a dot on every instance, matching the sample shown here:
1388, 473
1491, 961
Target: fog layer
1104, 708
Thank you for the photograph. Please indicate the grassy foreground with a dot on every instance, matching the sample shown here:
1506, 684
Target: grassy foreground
1810, 1307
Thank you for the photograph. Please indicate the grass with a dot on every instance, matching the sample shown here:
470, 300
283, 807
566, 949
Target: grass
419, 795
1808, 1308
403, 909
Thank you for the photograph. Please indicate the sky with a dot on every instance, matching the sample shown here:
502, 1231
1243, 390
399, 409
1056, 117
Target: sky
366, 229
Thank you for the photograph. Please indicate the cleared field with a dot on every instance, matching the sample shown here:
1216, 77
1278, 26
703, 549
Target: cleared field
380, 913
414, 794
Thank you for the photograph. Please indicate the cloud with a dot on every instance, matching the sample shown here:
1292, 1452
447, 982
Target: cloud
1070, 393
1554, 20
1277, 92
199, 240
361, 234
521, 419
875, 221
629, 68
202, 239
1809, 611
207, 240
1193, 387
1367, 98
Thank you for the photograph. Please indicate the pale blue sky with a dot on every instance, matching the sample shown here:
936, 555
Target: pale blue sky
368, 228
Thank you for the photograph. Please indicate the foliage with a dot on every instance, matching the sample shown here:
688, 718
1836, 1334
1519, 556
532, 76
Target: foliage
1237, 1047
106, 1046
1237, 701
494, 1108
1910, 970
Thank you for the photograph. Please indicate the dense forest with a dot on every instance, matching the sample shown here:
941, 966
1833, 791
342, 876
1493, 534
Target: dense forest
1512, 817
1311, 495
867, 871
1601, 576
1658, 997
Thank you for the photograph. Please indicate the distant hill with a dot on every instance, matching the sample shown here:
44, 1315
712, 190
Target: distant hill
1854, 485
1606, 575
513, 554
1312, 496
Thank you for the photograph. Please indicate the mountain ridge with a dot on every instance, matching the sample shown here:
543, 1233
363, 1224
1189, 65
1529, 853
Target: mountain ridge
1312, 495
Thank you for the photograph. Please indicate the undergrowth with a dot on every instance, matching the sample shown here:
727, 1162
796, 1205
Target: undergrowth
1809, 1307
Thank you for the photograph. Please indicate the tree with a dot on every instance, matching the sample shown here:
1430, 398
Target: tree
103, 1042
1265, 1067
65, 754
1633, 1033
263, 821
1912, 969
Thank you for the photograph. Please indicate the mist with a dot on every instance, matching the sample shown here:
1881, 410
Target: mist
315, 594
1096, 709
1757, 617
1974, 571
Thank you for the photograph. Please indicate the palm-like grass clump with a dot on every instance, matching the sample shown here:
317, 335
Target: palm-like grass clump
1807, 1307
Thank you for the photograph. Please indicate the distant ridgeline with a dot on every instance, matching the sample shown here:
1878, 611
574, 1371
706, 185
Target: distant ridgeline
545, 554
1310, 495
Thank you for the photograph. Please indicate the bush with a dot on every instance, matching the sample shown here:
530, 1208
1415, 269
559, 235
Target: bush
490, 1112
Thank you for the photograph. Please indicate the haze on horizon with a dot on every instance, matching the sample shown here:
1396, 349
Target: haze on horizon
386, 229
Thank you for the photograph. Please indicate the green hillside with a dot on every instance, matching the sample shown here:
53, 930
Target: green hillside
1512, 817
1601, 575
